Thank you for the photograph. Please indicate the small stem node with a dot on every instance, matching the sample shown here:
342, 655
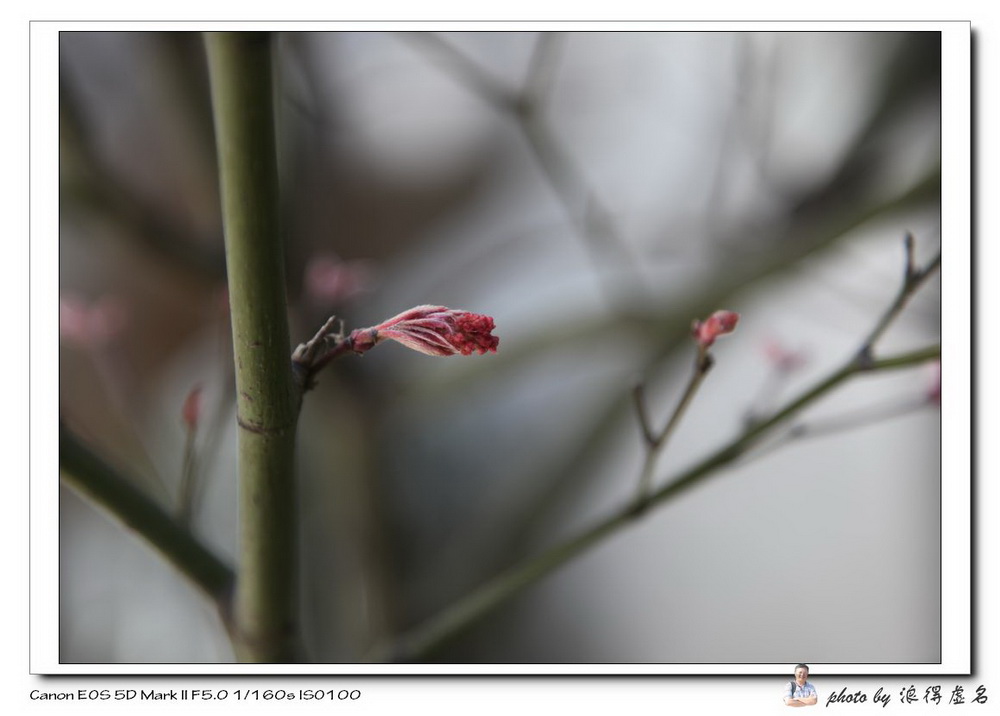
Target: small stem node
910, 270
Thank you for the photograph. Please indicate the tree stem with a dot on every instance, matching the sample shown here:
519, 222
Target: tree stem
265, 613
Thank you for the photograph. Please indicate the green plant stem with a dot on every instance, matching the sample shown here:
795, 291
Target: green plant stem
267, 399
433, 634
90, 476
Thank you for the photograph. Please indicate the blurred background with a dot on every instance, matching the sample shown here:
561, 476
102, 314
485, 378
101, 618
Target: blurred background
593, 192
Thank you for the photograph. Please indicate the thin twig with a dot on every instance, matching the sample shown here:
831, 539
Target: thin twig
474, 77
221, 419
655, 442
186, 502
542, 66
839, 424
909, 269
639, 398
913, 278
311, 357
582, 204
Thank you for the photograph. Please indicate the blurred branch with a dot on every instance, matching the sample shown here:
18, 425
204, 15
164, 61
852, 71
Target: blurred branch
542, 68
182, 64
745, 130
440, 629
88, 183
220, 420
191, 416
840, 424
583, 204
189, 475
90, 476
584, 207
265, 612
462, 68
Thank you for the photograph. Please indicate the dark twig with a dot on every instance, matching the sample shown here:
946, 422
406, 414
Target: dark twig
189, 482
839, 424
639, 398
310, 357
913, 278
541, 70
656, 442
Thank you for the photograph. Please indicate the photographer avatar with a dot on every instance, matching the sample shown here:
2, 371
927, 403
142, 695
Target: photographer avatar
800, 692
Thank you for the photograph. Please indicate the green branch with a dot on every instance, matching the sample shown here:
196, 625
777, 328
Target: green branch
267, 398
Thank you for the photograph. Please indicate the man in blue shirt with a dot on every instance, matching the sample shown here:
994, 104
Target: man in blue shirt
800, 692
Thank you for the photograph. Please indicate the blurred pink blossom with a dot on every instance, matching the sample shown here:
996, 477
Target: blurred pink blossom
933, 392
94, 324
718, 324
191, 410
328, 279
784, 360
433, 330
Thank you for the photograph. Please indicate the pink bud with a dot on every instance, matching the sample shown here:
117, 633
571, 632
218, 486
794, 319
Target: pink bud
719, 323
433, 330
191, 410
